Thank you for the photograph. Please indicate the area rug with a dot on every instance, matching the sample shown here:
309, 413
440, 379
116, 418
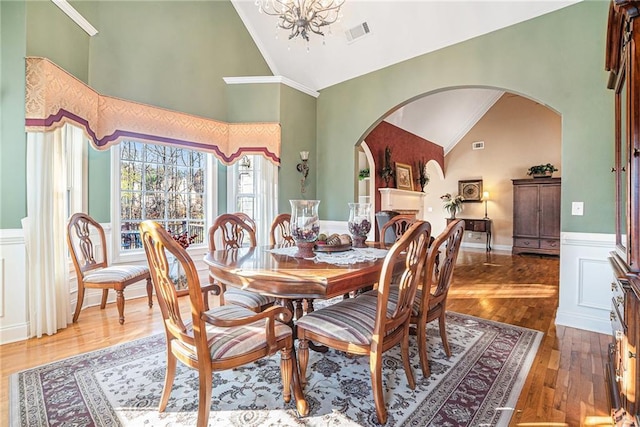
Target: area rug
121, 386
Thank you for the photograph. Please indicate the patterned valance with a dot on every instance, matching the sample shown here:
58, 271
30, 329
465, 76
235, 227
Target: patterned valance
55, 97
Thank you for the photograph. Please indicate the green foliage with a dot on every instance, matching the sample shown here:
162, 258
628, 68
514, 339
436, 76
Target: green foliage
542, 169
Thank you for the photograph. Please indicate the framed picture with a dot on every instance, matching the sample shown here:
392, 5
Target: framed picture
404, 177
470, 190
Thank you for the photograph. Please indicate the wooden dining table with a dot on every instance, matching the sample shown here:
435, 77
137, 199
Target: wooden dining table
288, 277
291, 279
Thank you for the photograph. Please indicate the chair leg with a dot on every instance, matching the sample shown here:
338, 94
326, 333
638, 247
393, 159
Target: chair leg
443, 332
168, 378
285, 371
76, 314
205, 378
150, 292
422, 348
303, 349
120, 304
103, 302
301, 402
375, 366
406, 361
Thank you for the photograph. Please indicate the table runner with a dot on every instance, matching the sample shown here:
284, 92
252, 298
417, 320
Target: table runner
351, 256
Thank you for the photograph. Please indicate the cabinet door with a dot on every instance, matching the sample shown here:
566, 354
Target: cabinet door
550, 211
526, 216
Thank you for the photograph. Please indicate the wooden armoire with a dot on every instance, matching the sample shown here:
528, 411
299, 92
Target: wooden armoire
536, 216
623, 63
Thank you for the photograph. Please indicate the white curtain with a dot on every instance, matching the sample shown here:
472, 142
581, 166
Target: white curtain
45, 233
267, 197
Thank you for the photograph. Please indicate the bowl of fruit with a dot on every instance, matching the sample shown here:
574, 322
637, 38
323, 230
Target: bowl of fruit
333, 242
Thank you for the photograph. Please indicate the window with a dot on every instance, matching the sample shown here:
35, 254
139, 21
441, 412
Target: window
163, 183
253, 189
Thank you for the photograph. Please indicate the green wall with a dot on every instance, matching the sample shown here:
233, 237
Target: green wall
13, 200
556, 59
51, 34
298, 119
172, 54
152, 53
296, 112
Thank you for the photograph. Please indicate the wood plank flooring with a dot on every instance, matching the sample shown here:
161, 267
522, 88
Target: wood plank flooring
565, 387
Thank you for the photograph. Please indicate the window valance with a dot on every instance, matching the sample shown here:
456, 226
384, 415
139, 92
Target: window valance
55, 97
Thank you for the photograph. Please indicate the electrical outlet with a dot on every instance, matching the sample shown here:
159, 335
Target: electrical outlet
577, 208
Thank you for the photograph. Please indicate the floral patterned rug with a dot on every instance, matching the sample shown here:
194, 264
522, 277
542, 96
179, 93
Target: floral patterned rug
121, 385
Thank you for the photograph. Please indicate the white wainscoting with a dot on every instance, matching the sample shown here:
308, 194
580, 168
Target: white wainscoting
14, 312
585, 278
585, 281
14, 325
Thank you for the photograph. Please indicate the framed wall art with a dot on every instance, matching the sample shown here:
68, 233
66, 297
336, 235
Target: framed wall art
404, 177
470, 190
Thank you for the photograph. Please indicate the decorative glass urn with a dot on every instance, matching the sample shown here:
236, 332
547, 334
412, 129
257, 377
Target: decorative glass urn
305, 226
359, 223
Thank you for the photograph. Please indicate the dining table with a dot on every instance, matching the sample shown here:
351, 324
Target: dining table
278, 272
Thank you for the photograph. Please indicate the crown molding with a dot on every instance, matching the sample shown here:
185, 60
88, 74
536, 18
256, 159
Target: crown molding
271, 79
75, 16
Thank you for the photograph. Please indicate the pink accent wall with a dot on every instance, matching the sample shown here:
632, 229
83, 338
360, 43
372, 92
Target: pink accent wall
405, 148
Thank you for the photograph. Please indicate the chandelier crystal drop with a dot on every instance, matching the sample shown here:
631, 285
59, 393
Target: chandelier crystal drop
302, 17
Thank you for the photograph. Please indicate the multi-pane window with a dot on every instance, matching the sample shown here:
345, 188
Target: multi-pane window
253, 189
245, 187
162, 183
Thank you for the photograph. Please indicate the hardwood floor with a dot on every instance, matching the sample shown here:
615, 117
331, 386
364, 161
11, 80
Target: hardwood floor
565, 387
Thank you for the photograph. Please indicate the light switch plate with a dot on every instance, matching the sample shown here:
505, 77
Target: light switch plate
577, 208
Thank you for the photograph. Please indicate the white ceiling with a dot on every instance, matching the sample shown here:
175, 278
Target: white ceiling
399, 30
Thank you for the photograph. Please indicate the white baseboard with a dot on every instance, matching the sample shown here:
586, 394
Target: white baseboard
580, 321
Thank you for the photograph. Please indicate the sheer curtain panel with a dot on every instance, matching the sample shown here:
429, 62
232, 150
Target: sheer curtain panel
45, 232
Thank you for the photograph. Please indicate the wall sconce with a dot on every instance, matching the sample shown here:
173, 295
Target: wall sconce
303, 168
485, 197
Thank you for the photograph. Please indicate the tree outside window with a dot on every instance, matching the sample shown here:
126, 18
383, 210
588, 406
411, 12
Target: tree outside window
162, 183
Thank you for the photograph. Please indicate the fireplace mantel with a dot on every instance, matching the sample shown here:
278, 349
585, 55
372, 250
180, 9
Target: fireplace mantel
393, 199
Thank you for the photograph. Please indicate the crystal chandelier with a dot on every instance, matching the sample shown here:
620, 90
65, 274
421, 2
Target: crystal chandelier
302, 16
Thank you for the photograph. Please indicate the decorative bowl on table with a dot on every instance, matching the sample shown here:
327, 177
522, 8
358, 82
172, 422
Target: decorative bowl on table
333, 243
305, 226
359, 223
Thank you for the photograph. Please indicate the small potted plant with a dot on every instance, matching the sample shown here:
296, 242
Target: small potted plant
364, 173
542, 171
453, 205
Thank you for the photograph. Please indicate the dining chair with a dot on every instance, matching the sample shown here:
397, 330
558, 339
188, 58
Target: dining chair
231, 231
247, 219
88, 247
369, 325
221, 338
391, 231
431, 298
280, 232
280, 235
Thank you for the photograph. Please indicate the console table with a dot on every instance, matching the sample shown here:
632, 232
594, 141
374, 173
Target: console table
479, 226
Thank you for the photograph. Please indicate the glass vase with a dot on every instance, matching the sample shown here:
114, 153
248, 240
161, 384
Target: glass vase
305, 226
359, 223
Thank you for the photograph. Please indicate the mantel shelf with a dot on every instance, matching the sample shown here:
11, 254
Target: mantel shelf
393, 199
404, 192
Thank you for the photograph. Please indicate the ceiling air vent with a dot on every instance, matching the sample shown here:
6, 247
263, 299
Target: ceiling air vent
478, 145
356, 32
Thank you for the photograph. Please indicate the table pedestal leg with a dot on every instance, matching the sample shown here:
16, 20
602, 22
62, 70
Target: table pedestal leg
287, 303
